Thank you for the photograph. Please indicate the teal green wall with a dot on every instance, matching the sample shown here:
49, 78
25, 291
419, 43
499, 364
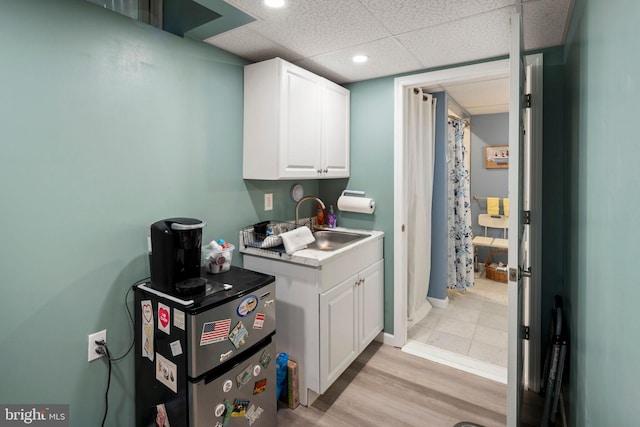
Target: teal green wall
439, 204
371, 170
107, 126
602, 205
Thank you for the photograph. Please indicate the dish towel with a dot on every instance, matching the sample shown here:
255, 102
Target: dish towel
297, 239
493, 206
505, 206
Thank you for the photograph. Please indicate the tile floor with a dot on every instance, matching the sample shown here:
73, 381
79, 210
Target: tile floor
473, 325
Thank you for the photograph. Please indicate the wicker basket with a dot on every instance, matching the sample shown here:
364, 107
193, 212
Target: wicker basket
492, 272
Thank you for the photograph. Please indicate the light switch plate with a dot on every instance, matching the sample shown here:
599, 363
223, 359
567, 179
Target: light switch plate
268, 202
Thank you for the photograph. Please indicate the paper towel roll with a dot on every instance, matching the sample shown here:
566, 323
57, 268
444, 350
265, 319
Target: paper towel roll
363, 205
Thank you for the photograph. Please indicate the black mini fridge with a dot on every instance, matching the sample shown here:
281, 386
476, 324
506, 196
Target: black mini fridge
207, 359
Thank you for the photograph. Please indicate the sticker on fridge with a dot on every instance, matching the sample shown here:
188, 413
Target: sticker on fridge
178, 319
164, 318
213, 332
247, 306
227, 412
259, 322
243, 377
260, 386
238, 335
162, 420
226, 356
176, 348
253, 414
166, 372
147, 329
256, 370
219, 411
265, 358
240, 408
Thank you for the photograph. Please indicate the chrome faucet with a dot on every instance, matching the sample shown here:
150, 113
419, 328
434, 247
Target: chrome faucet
302, 200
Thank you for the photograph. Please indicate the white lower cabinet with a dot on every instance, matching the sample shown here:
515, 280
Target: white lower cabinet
326, 316
351, 315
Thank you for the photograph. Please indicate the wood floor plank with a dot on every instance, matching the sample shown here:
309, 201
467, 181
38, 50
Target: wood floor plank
386, 386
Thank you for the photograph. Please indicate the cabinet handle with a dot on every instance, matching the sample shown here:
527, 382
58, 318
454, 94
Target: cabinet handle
319, 171
326, 170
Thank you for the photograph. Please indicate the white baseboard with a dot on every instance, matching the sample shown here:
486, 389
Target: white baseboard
439, 303
387, 338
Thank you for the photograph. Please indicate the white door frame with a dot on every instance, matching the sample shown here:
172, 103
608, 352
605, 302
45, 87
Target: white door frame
465, 74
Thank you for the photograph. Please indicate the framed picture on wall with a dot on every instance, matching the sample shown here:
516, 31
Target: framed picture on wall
496, 157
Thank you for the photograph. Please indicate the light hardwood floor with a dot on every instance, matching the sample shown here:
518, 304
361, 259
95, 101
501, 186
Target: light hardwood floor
387, 387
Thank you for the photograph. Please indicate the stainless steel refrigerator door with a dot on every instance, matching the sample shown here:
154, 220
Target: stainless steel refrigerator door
245, 395
230, 329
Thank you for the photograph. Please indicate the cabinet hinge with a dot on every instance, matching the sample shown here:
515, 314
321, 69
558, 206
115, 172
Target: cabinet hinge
526, 217
525, 332
527, 100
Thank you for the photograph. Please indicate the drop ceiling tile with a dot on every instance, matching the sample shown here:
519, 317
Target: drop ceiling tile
245, 42
314, 27
545, 23
409, 15
386, 57
469, 39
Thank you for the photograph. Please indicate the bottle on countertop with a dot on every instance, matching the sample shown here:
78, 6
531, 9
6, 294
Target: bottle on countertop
320, 215
331, 219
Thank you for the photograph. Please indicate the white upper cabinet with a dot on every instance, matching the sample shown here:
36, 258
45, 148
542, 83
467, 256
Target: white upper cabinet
296, 124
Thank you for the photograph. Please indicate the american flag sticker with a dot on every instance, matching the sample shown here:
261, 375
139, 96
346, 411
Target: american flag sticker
213, 332
259, 322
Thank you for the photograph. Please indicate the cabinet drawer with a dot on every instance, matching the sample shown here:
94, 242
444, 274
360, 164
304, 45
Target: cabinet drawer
341, 268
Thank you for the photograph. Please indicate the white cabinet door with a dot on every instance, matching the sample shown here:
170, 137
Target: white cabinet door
338, 331
301, 146
296, 124
371, 308
335, 131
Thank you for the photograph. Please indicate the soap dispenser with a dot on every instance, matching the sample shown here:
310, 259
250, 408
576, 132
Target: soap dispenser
331, 219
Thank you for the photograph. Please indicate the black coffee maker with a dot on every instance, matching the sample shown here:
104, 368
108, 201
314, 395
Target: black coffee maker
175, 255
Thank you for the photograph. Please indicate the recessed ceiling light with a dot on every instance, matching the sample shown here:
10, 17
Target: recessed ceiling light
274, 3
359, 59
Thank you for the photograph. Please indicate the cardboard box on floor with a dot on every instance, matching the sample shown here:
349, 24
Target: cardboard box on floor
291, 396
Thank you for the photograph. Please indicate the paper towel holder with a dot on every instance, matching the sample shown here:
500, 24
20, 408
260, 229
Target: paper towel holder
356, 192
360, 204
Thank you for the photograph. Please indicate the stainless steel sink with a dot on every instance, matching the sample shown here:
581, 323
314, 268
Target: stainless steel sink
331, 240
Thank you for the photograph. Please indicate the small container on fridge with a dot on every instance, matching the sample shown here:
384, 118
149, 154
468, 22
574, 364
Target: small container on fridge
217, 260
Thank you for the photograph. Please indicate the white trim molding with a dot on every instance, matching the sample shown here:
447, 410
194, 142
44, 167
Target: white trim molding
469, 73
432, 81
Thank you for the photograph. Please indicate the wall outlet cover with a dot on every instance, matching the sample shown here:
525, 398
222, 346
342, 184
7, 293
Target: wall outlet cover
98, 336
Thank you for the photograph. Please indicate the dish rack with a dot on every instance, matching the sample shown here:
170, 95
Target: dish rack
264, 235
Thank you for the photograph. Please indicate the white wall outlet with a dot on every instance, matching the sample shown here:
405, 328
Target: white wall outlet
268, 202
98, 336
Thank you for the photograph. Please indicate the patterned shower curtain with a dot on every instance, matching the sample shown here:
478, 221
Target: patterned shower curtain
460, 262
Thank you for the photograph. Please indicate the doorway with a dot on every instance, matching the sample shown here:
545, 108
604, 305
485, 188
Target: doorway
473, 73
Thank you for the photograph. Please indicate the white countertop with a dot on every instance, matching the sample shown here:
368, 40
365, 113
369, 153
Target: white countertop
314, 257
